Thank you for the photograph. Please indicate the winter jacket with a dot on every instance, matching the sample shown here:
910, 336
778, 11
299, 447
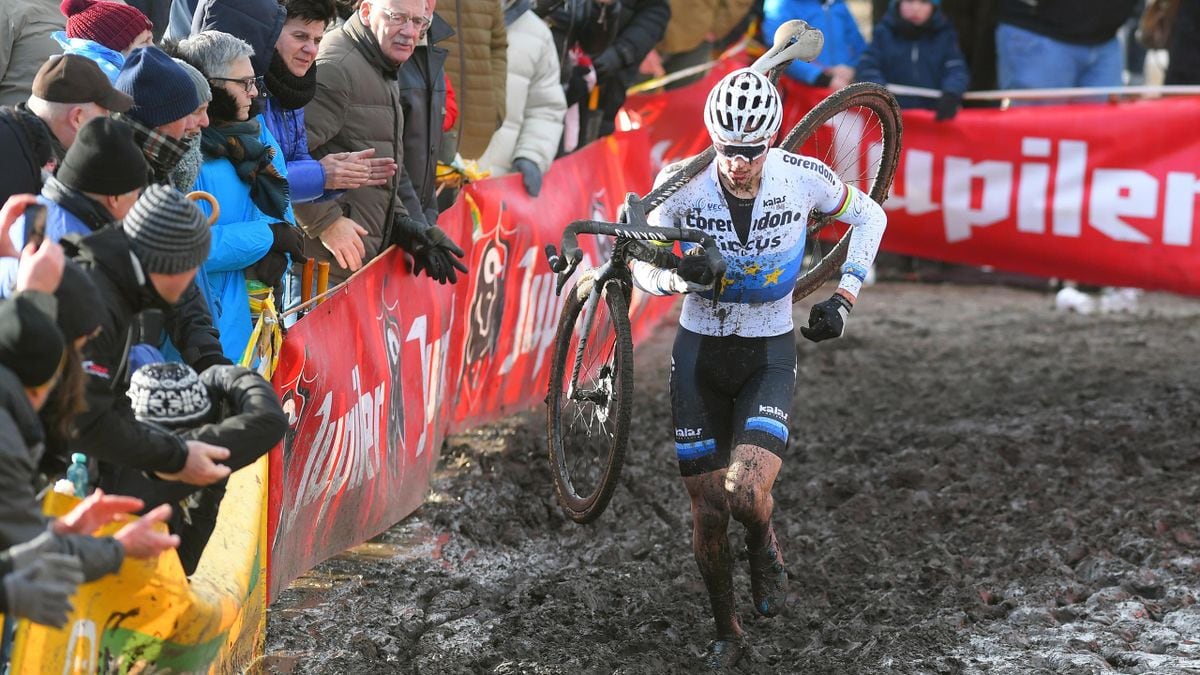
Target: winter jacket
477, 66
1183, 67
423, 100
1081, 22
247, 418
107, 429
843, 41
109, 60
26, 145
159, 13
258, 22
25, 44
692, 21
241, 237
60, 221
21, 517
306, 177
357, 106
918, 56
641, 24
533, 125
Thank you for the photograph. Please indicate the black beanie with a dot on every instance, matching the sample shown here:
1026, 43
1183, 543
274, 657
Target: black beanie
80, 305
104, 160
30, 344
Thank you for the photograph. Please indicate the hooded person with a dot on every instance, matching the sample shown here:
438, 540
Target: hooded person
104, 32
164, 103
257, 22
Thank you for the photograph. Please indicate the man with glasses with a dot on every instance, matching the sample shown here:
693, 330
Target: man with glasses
358, 105
733, 368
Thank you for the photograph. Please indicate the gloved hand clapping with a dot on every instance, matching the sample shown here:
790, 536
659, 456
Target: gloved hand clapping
531, 175
42, 582
827, 320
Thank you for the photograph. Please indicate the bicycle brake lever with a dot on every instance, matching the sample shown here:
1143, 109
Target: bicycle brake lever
557, 264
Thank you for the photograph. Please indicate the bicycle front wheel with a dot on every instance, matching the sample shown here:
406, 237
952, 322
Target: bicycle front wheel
856, 132
588, 406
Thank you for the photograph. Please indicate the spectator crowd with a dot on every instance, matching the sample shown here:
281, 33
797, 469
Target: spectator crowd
318, 127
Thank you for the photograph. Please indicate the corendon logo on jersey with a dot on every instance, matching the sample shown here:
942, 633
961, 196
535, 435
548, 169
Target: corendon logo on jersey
980, 193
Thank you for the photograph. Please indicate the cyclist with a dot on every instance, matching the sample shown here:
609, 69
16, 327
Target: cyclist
733, 368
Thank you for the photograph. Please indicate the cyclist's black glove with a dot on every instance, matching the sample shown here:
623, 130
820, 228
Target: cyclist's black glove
827, 320
694, 269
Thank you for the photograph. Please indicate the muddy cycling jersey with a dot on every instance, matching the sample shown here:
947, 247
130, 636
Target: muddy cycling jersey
756, 299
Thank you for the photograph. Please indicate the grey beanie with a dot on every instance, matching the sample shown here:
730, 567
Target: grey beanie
167, 232
169, 394
203, 90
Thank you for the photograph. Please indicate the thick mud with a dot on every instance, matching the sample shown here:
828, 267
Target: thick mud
975, 484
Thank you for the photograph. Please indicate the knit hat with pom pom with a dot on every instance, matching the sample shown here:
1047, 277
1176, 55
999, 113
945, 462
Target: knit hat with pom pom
112, 24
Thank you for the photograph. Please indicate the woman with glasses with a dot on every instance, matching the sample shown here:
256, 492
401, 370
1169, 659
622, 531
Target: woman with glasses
733, 373
243, 168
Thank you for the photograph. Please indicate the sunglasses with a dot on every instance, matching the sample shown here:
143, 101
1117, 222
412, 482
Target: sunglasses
746, 152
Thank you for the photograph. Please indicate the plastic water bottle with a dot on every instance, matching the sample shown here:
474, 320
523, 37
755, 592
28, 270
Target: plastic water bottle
77, 473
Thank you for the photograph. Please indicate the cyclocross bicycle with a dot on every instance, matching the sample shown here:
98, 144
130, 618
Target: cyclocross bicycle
855, 131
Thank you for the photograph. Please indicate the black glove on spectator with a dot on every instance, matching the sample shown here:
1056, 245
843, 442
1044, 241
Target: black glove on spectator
433, 252
531, 175
577, 86
827, 320
607, 64
269, 269
823, 80
947, 106
694, 268
288, 239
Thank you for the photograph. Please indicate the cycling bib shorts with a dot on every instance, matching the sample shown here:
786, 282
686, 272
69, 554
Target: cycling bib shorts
728, 391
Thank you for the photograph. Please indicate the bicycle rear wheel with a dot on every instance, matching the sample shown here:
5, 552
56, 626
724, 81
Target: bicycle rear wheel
587, 420
856, 131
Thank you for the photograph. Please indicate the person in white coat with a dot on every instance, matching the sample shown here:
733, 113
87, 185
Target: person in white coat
533, 122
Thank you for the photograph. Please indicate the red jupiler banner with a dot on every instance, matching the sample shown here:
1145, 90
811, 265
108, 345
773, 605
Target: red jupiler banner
1102, 193
374, 378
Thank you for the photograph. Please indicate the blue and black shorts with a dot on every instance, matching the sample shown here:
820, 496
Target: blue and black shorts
729, 391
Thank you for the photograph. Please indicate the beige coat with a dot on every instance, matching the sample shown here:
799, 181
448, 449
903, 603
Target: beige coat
357, 106
477, 65
25, 44
533, 125
693, 21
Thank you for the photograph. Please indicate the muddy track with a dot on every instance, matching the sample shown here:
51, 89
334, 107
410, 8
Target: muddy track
975, 484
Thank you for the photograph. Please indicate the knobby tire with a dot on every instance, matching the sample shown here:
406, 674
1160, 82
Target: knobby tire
564, 445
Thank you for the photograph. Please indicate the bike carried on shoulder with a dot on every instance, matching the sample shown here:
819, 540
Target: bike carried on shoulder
856, 129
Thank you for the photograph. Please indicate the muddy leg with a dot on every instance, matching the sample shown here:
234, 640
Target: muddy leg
710, 544
747, 486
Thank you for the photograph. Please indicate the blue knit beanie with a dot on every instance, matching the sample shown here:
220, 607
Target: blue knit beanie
162, 91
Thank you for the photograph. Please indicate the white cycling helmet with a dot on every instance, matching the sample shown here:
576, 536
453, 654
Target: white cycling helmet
743, 109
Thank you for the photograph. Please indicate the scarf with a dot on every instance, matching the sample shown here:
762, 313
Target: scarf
162, 152
239, 143
87, 210
185, 173
292, 92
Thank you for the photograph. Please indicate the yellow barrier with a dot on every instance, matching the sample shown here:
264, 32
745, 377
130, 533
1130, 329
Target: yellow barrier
149, 618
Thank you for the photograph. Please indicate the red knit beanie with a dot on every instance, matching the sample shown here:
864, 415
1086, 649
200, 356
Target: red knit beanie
111, 24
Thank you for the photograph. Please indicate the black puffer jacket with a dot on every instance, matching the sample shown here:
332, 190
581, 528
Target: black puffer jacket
423, 99
247, 418
258, 22
107, 430
21, 516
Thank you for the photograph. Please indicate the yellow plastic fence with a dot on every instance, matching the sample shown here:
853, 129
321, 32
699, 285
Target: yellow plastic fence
149, 617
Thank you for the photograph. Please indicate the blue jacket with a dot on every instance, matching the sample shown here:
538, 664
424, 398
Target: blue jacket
843, 42
919, 56
305, 175
109, 60
240, 237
